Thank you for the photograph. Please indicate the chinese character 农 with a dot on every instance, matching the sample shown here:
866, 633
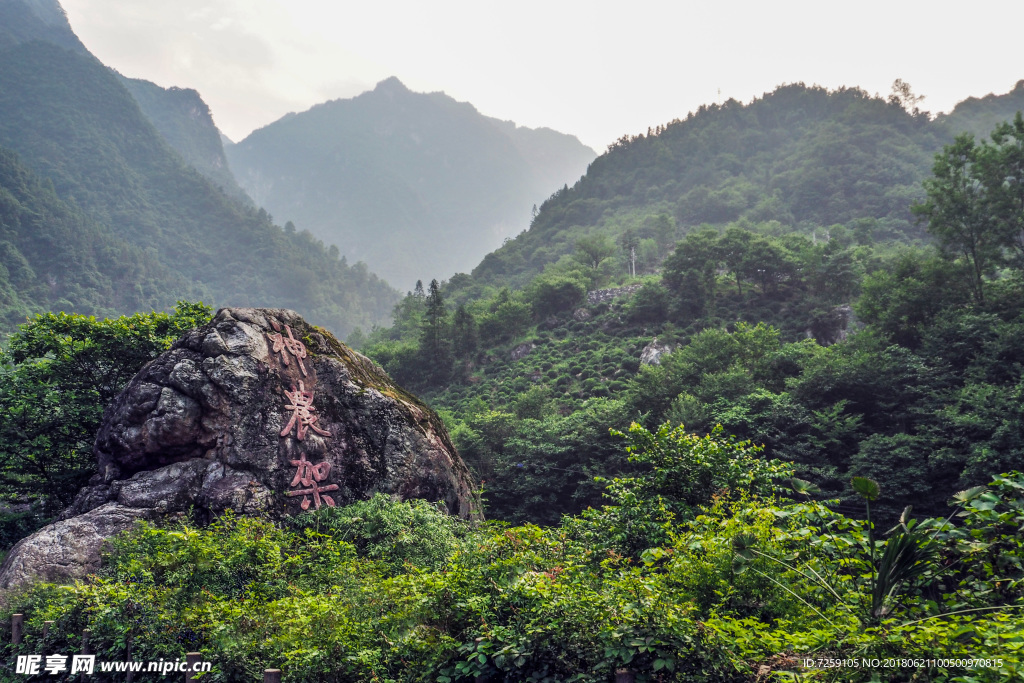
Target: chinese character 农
290, 345
311, 475
302, 405
56, 663
82, 663
28, 664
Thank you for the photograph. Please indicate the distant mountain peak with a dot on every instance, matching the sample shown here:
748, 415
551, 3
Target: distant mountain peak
391, 85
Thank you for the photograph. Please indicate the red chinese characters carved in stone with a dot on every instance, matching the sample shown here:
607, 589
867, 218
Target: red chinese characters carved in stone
310, 476
302, 415
285, 345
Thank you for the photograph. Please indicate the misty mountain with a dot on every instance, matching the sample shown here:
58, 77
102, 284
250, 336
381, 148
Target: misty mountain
22, 21
979, 115
73, 123
413, 184
183, 119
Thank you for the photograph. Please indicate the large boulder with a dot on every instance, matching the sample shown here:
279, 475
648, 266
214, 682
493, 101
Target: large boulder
259, 412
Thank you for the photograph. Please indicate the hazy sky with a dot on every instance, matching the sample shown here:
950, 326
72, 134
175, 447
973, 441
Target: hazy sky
594, 69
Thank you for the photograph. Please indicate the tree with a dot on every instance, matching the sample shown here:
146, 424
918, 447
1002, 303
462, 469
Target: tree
959, 213
435, 341
593, 250
464, 333
555, 292
629, 242
1001, 167
904, 96
694, 264
59, 373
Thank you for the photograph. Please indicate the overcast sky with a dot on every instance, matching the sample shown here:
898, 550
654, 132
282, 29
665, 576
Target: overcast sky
594, 69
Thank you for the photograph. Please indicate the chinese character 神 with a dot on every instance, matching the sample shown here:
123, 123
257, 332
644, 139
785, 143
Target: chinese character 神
28, 664
302, 405
82, 663
311, 475
291, 345
56, 663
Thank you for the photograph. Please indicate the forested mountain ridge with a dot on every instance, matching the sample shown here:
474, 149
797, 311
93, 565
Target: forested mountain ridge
803, 156
55, 257
184, 120
411, 183
72, 121
22, 21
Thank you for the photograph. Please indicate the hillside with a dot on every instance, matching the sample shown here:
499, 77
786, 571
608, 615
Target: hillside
803, 156
72, 121
185, 122
411, 183
22, 21
819, 320
54, 257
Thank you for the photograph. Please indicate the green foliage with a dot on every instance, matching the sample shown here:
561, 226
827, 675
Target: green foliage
59, 373
400, 535
396, 592
556, 293
800, 155
689, 471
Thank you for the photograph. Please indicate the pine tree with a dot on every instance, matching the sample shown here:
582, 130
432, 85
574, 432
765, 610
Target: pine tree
464, 333
435, 338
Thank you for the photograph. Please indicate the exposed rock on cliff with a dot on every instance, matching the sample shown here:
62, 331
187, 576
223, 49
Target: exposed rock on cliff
259, 412
652, 353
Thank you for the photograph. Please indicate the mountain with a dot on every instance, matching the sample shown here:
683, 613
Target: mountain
411, 183
55, 257
22, 21
183, 119
805, 157
800, 159
979, 115
72, 121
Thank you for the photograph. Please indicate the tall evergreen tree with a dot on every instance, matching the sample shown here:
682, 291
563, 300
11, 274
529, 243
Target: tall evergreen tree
464, 333
435, 338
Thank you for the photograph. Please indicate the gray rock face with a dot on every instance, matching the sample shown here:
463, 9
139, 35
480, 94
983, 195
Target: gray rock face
652, 353
598, 296
68, 549
259, 412
522, 351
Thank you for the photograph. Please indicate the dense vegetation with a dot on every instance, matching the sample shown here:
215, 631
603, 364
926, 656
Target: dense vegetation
842, 352
53, 256
184, 121
160, 224
410, 183
57, 375
693, 571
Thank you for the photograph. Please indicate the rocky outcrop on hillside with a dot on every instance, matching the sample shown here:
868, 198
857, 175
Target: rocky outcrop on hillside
258, 412
598, 296
652, 353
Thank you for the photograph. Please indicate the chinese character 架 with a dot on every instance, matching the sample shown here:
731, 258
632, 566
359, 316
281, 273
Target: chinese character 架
291, 345
302, 415
310, 476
